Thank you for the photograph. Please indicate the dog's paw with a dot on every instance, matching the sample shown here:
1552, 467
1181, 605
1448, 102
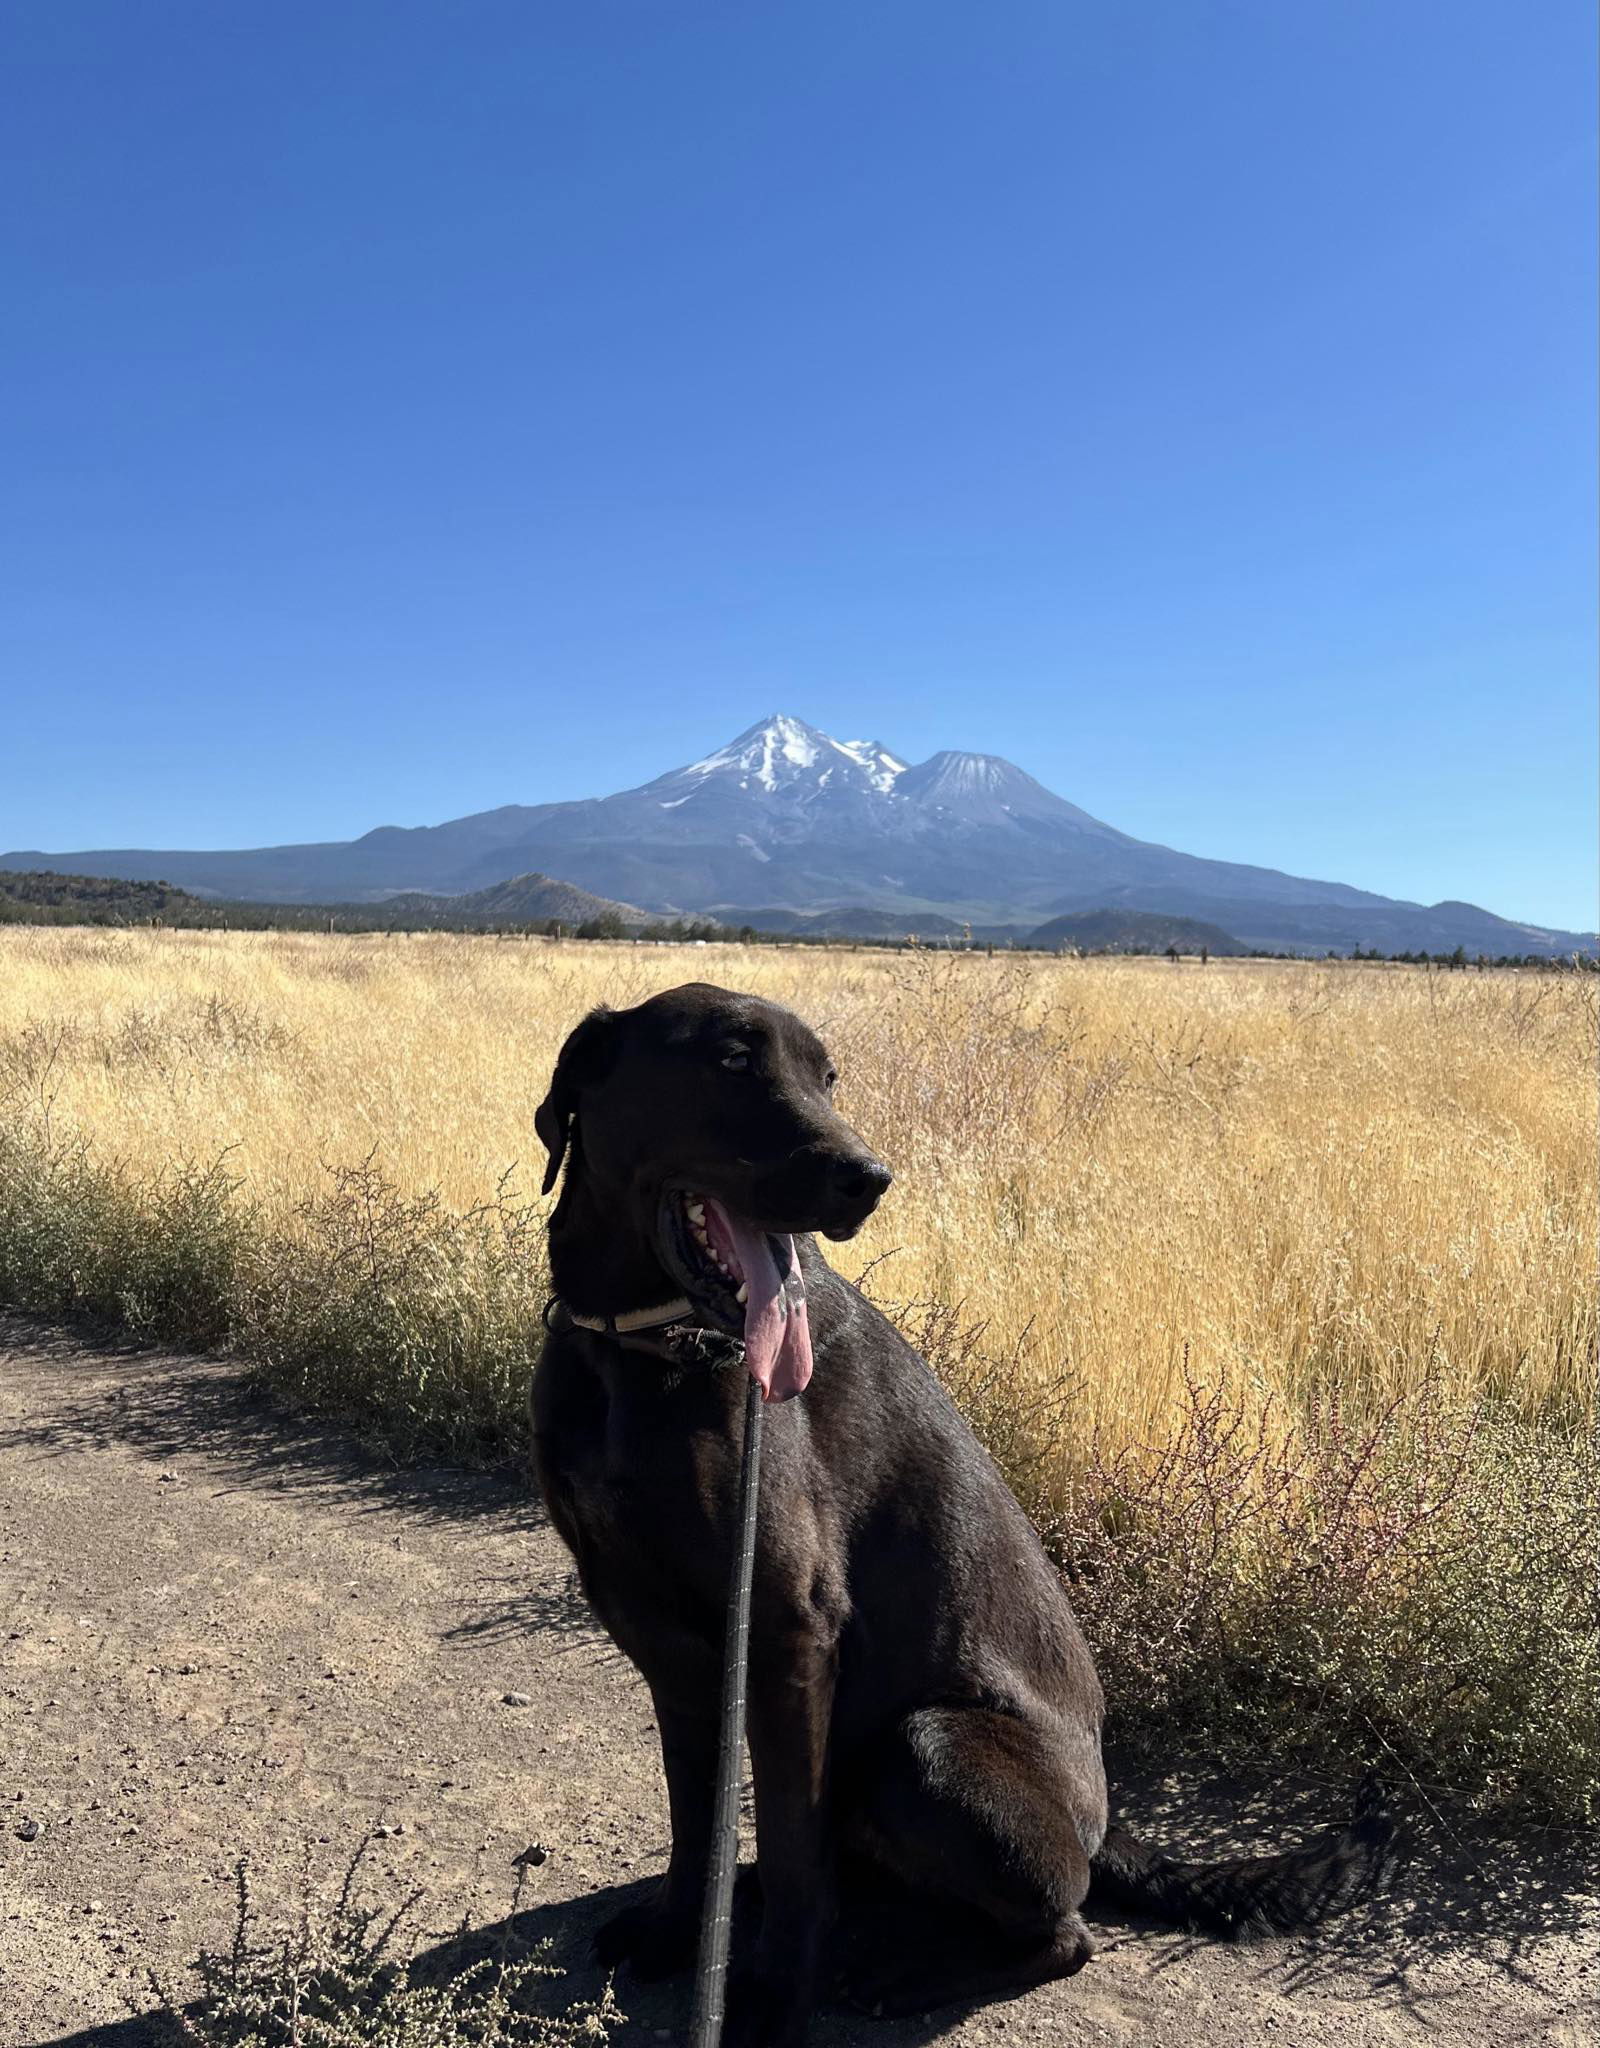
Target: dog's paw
889, 1988
650, 1937
765, 2012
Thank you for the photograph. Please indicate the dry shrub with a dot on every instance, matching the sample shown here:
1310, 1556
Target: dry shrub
156, 1256
347, 1975
1415, 1589
417, 1323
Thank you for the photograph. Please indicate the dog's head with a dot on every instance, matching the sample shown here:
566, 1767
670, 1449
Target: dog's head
705, 1121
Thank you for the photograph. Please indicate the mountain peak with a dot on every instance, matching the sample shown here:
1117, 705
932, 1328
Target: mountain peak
782, 752
954, 770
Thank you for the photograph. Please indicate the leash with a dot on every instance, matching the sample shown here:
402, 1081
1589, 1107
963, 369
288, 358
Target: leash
711, 1974
711, 1971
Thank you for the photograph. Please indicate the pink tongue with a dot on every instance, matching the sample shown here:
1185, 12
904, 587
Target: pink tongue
777, 1336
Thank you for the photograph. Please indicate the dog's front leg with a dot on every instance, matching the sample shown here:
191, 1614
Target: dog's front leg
657, 1937
791, 1710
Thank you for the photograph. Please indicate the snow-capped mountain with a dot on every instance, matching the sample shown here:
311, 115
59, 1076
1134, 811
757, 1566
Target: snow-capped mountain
786, 818
782, 753
789, 780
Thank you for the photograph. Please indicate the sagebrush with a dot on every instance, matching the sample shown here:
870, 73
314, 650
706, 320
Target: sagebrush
343, 1973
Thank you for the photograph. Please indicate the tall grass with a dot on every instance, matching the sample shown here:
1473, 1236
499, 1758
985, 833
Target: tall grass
1270, 1285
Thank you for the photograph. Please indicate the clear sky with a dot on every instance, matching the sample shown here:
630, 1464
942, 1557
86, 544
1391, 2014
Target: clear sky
411, 408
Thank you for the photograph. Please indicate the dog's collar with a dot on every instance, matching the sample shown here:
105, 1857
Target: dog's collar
630, 1320
667, 1333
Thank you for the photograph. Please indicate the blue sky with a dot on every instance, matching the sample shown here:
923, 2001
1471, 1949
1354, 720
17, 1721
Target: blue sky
415, 408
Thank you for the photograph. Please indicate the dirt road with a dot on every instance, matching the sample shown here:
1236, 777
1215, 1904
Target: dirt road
222, 1629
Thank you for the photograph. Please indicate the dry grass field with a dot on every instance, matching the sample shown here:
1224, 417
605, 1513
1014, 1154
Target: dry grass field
1271, 1285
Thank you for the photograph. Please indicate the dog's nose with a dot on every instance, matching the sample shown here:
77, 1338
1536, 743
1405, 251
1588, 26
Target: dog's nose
860, 1180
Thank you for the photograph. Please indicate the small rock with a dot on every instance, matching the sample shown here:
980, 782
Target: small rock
535, 1854
169, 1478
386, 1828
30, 1830
516, 1699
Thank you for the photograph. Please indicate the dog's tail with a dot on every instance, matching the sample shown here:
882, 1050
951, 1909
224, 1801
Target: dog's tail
1253, 1894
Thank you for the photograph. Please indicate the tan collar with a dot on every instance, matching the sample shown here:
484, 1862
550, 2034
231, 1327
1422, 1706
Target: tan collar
634, 1318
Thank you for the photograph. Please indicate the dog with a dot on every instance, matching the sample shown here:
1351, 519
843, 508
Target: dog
924, 1714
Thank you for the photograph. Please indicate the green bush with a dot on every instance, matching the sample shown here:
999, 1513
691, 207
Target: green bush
418, 1325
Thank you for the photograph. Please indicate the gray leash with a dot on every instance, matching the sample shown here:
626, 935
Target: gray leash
711, 1974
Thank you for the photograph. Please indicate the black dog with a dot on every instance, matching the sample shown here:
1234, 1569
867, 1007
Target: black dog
922, 1704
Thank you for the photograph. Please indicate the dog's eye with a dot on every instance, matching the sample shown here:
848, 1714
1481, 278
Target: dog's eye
736, 1062
829, 1078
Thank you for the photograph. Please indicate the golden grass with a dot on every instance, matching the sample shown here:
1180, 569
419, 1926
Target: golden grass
1294, 1175
1269, 1285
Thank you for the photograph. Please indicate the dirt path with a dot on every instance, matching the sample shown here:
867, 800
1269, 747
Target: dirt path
224, 1630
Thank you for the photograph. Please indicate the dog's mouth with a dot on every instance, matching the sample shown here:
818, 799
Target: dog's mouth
747, 1280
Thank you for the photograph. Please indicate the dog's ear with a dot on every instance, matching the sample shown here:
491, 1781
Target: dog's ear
585, 1059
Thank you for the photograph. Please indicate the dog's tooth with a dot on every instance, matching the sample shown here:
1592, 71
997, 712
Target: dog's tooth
697, 1212
744, 1291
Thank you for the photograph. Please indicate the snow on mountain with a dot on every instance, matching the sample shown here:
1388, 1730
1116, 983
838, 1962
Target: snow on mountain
786, 753
882, 769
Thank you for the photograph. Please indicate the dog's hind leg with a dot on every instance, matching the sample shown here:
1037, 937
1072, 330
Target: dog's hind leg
978, 1815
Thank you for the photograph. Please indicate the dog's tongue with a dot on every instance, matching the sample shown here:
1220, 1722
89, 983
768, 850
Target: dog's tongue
777, 1336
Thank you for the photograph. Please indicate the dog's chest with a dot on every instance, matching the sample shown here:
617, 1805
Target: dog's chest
638, 1474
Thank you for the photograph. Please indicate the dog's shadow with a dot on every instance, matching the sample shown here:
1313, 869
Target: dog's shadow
1498, 1901
562, 1932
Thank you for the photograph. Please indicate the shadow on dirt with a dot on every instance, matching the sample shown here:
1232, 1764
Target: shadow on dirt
1378, 1952
565, 1929
1497, 1901
1458, 1888
162, 1404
